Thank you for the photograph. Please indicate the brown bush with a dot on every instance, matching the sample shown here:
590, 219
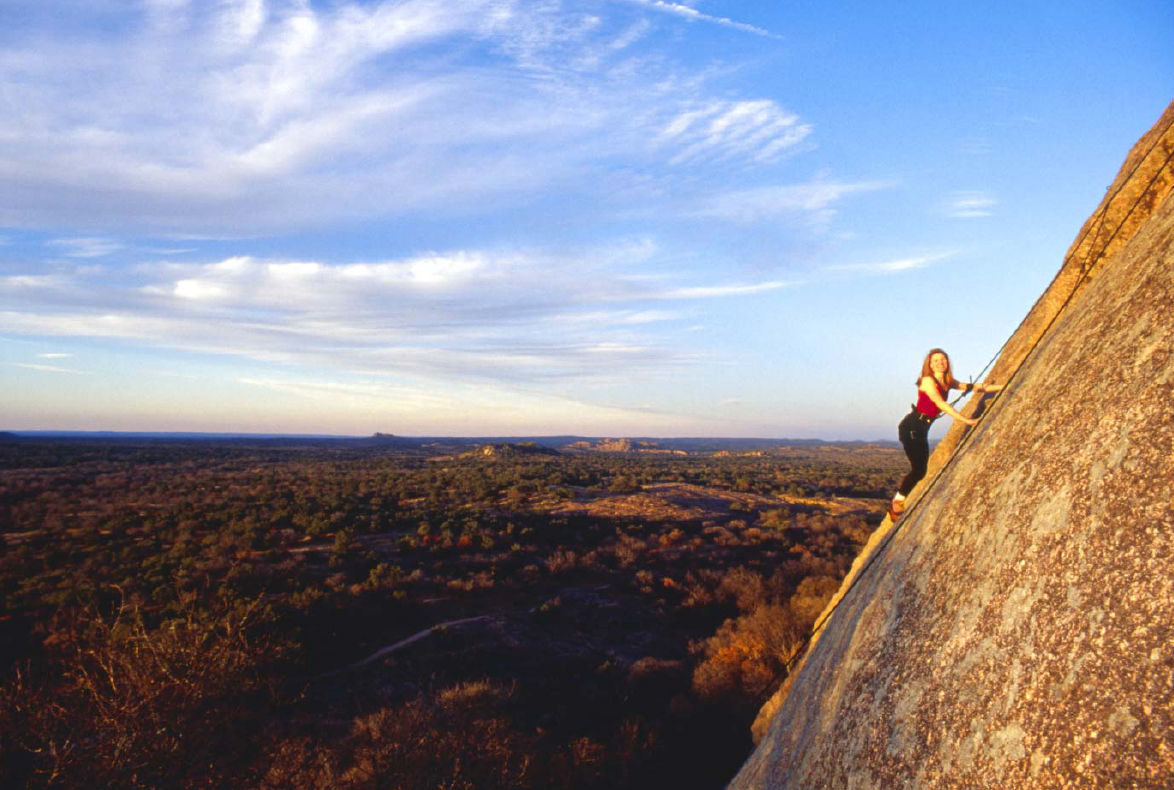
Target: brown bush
462, 738
810, 598
746, 656
124, 705
701, 587
561, 561
747, 589
628, 550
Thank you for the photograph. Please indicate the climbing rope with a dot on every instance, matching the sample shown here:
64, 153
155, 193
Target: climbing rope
1089, 265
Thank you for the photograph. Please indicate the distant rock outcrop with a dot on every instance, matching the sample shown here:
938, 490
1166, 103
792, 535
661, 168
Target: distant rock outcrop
1016, 629
619, 446
615, 446
511, 450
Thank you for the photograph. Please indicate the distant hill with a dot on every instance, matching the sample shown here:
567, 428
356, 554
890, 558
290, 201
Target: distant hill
387, 440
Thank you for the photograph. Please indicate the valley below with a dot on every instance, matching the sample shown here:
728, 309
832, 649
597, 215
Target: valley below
251, 614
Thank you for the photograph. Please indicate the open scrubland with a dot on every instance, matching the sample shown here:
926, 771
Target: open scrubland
235, 614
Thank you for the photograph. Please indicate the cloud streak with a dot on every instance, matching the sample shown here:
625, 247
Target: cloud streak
890, 267
86, 247
712, 291
47, 368
423, 405
816, 199
693, 15
970, 204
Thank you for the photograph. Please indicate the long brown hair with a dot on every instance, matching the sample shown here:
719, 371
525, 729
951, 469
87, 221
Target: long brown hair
948, 379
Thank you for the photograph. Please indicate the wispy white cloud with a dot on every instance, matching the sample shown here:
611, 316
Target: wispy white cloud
54, 355
331, 391
891, 267
619, 317
816, 199
693, 15
47, 368
712, 291
489, 315
414, 404
86, 247
33, 281
720, 130
629, 36
251, 117
970, 204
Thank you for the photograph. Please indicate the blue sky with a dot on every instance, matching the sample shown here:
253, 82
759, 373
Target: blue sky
488, 217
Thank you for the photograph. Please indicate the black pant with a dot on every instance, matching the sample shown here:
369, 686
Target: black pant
913, 432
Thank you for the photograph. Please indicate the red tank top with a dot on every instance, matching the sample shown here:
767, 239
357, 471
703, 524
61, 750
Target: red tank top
926, 406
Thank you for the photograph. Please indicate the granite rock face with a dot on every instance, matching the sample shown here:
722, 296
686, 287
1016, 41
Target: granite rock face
1016, 629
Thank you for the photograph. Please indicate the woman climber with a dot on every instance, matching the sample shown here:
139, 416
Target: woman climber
933, 385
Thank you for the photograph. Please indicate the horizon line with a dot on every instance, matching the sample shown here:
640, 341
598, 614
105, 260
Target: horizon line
52, 432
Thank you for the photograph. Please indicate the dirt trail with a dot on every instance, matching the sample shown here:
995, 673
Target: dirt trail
416, 637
